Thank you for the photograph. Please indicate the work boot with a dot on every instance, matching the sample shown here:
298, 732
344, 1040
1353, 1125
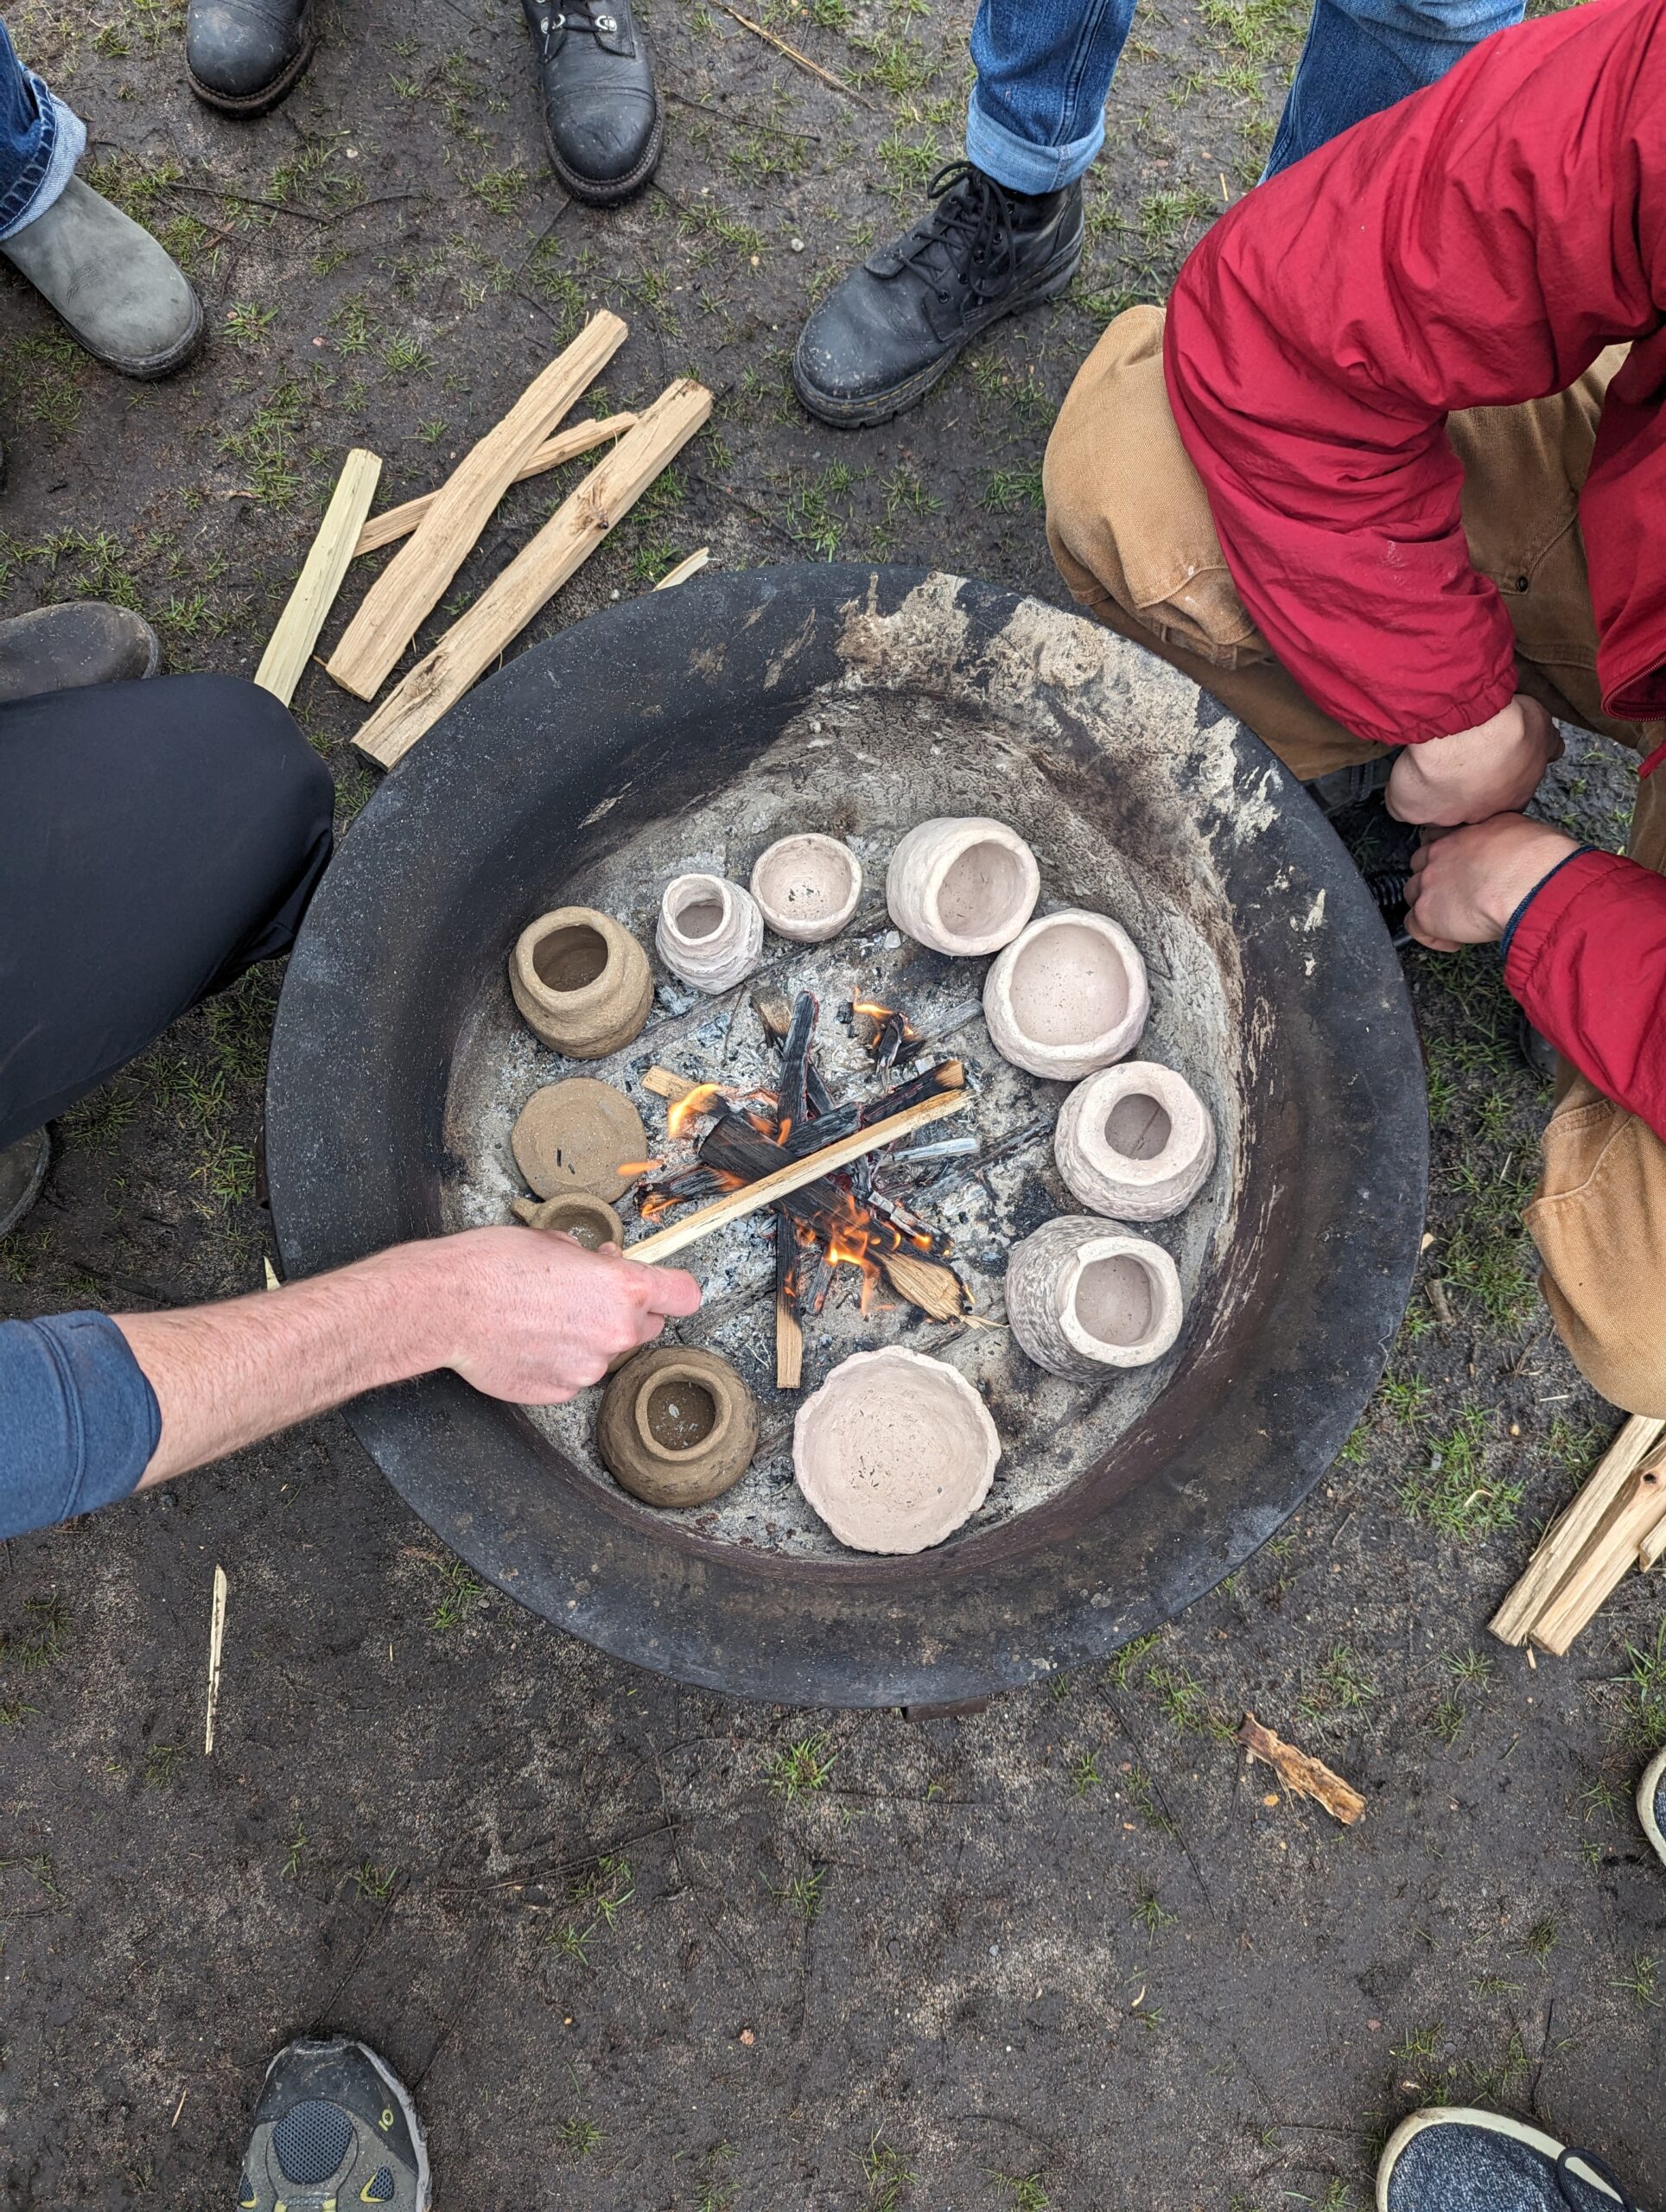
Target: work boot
334, 2126
22, 1170
1450, 2157
82, 641
1651, 1804
114, 288
601, 111
241, 56
881, 340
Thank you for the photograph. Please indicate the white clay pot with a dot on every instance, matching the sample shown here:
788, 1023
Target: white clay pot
710, 931
964, 886
808, 888
894, 1451
1134, 1141
1084, 1295
1067, 996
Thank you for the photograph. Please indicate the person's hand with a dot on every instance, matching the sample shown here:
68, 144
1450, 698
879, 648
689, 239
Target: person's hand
528, 1315
1494, 768
1466, 883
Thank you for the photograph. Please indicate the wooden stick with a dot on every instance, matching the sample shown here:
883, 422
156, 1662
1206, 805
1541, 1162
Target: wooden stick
1652, 1549
789, 1331
291, 643
665, 1083
684, 569
1611, 1554
538, 571
1300, 1771
1560, 1548
409, 588
793, 54
216, 1648
566, 445
768, 1188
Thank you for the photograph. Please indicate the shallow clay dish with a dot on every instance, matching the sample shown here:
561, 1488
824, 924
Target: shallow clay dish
807, 888
676, 1426
576, 1135
1068, 995
1134, 1141
964, 885
1084, 1294
894, 1451
590, 1222
583, 983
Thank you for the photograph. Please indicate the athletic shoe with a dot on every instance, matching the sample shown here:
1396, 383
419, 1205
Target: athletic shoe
335, 2127
1454, 2159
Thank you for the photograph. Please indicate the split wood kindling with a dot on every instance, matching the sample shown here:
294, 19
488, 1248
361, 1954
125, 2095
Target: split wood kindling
309, 603
1616, 1522
566, 445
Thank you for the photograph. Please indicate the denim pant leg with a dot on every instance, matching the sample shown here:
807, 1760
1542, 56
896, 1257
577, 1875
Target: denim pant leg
1362, 55
40, 141
1037, 114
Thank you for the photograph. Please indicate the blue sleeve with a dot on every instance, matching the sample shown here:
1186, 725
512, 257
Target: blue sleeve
79, 1420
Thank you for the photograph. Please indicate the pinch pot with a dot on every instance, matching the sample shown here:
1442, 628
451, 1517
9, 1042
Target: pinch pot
961, 885
676, 1426
894, 1451
1068, 995
710, 931
807, 886
583, 983
1084, 1294
588, 1220
1134, 1141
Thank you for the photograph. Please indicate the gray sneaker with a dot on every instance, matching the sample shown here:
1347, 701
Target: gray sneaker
1454, 2159
77, 642
1651, 1803
110, 282
333, 2127
22, 1170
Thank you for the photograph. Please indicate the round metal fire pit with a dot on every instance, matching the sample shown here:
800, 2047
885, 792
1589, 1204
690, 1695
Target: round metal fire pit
745, 702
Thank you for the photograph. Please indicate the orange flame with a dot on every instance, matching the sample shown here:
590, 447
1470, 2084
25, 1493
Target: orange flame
629, 1170
700, 1100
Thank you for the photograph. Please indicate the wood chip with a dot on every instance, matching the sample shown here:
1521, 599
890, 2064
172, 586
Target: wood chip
290, 645
566, 445
684, 569
216, 1648
1298, 1770
665, 1083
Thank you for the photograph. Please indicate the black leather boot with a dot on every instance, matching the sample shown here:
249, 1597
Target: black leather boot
242, 55
601, 111
881, 340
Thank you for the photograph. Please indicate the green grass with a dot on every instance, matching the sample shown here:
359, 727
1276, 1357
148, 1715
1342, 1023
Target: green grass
460, 1594
578, 2137
888, 2174
162, 1763
43, 378
1641, 1983
1539, 1940
1011, 491
1454, 1492
373, 1881
804, 1893
1150, 1913
246, 325
295, 1852
802, 1768
1644, 1685
265, 445
1024, 2192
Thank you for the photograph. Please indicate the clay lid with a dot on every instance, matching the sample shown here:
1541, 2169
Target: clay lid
894, 1451
576, 1135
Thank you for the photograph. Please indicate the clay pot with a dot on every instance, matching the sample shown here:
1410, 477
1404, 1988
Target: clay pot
894, 1451
964, 886
1134, 1141
1084, 1294
807, 888
590, 1222
676, 1428
1067, 996
582, 982
710, 931
576, 1135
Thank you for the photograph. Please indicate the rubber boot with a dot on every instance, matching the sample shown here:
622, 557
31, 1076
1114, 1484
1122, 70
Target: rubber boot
110, 282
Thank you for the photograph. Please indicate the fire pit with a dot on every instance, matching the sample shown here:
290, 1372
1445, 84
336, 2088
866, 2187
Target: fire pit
685, 735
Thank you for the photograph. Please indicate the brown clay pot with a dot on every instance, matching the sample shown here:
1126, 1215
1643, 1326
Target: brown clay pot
590, 1222
582, 982
576, 1135
676, 1426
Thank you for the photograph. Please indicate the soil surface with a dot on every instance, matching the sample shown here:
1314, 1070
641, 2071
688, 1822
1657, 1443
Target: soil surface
634, 1947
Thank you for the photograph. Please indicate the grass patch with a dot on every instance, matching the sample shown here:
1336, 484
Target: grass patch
803, 1767
1455, 1494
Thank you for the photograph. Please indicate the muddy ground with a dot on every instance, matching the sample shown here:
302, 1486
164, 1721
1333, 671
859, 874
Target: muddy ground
635, 1947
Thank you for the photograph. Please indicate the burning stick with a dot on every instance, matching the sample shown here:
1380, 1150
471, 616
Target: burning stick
789, 1334
894, 1036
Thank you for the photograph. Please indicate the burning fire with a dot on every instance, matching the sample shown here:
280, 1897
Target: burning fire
700, 1100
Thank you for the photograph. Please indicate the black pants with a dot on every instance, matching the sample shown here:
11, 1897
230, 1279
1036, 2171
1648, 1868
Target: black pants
155, 839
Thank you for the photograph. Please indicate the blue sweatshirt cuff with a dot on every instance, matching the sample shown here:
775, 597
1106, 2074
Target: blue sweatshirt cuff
79, 1420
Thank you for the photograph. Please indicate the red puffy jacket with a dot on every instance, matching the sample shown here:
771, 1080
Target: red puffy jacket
1477, 245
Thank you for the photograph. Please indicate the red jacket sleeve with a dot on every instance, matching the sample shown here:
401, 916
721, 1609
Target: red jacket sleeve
1588, 961
1478, 245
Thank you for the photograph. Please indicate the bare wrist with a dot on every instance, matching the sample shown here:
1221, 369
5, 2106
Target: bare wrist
1538, 852
414, 1304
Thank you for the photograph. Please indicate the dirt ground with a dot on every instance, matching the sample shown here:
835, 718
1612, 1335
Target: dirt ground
635, 1947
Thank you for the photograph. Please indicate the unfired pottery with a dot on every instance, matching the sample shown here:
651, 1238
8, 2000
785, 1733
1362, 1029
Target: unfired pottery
590, 1222
1067, 996
894, 1451
964, 886
807, 888
1134, 1141
582, 982
676, 1426
1084, 1294
576, 1136
710, 931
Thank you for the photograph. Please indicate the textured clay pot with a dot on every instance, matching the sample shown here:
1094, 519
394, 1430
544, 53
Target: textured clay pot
575, 1137
963, 886
590, 1222
894, 1451
1084, 1294
807, 888
676, 1428
1067, 996
710, 931
1134, 1141
582, 982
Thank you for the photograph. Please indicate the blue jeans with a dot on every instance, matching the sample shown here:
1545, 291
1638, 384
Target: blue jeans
1036, 117
40, 141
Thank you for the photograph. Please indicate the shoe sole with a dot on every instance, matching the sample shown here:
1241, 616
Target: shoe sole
153, 366
401, 2096
1646, 1791
617, 189
247, 105
884, 407
1494, 2122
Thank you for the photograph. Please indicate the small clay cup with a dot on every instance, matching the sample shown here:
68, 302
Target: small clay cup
710, 931
590, 1222
961, 885
575, 1137
676, 1428
583, 983
1084, 1295
807, 888
894, 1451
1067, 996
1134, 1141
